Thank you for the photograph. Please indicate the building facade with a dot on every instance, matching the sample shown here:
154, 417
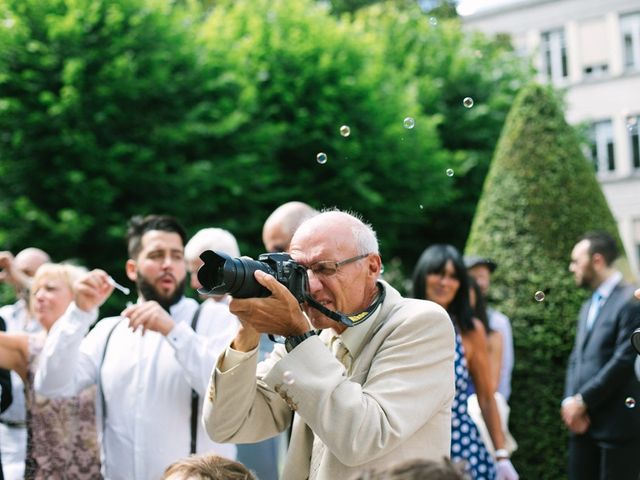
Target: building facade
590, 48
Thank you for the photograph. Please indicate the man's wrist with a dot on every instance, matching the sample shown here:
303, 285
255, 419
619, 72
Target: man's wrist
293, 341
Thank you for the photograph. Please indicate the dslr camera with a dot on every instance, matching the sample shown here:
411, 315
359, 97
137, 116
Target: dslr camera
222, 274
635, 340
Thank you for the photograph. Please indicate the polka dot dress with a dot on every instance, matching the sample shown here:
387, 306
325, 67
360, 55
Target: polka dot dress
466, 444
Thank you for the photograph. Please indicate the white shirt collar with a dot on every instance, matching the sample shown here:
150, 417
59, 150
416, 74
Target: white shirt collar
609, 284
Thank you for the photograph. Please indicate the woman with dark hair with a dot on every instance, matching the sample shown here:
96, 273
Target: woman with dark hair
440, 276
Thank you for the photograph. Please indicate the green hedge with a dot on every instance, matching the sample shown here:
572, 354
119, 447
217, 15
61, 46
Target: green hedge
540, 195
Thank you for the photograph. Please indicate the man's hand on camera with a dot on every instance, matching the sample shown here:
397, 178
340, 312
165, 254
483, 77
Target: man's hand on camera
279, 314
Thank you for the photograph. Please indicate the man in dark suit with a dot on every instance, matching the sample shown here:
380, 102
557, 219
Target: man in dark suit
600, 388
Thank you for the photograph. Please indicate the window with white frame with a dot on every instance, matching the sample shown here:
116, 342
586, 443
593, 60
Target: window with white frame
602, 148
554, 55
593, 48
630, 29
634, 139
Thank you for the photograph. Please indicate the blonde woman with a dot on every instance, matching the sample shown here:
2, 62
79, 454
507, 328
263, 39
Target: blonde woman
62, 440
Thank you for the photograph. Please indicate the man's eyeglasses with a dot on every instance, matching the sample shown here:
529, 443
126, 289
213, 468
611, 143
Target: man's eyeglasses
329, 268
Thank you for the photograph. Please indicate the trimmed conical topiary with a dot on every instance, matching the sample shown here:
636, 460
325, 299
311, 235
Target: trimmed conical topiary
539, 196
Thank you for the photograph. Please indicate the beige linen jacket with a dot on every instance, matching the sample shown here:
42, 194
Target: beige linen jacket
395, 404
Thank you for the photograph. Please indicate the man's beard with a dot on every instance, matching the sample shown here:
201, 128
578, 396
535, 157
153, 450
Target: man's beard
587, 278
149, 292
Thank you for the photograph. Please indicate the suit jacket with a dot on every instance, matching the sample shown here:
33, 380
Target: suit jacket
394, 405
601, 367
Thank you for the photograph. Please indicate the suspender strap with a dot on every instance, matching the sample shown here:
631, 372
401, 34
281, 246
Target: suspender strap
103, 402
194, 395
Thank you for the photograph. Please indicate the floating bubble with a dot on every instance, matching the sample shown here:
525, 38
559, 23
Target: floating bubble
345, 131
409, 122
467, 102
321, 158
433, 21
449, 172
287, 377
421, 207
630, 402
539, 296
632, 123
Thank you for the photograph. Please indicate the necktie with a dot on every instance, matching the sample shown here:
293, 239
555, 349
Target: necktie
594, 308
341, 352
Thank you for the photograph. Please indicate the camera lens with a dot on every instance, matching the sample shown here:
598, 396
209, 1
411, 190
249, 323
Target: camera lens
221, 274
635, 340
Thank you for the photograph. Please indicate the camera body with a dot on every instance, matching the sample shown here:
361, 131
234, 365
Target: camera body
220, 274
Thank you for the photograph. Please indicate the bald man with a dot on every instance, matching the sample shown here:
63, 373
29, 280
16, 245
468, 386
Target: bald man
368, 373
280, 226
17, 271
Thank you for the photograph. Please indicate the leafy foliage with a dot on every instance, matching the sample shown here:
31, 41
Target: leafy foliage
540, 195
443, 65
216, 114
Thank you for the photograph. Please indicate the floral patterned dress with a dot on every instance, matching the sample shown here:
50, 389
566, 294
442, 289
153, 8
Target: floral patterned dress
466, 443
62, 439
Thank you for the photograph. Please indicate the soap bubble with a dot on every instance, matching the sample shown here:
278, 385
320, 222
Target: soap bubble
287, 377
409, 123
630, 402
321, 158
467, 102
345, 131
539, 296
449, 172
433, 21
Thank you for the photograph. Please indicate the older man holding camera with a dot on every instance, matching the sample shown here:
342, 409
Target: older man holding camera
366, 395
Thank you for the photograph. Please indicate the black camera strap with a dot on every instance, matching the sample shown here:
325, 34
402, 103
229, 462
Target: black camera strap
353, 319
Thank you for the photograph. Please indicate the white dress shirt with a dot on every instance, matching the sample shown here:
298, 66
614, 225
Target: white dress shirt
146, 381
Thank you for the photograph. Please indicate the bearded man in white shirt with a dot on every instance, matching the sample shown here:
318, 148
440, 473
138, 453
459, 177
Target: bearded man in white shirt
147, 362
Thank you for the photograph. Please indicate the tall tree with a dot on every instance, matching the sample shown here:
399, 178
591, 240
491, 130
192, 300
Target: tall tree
96, 109
445, 65
540, 195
